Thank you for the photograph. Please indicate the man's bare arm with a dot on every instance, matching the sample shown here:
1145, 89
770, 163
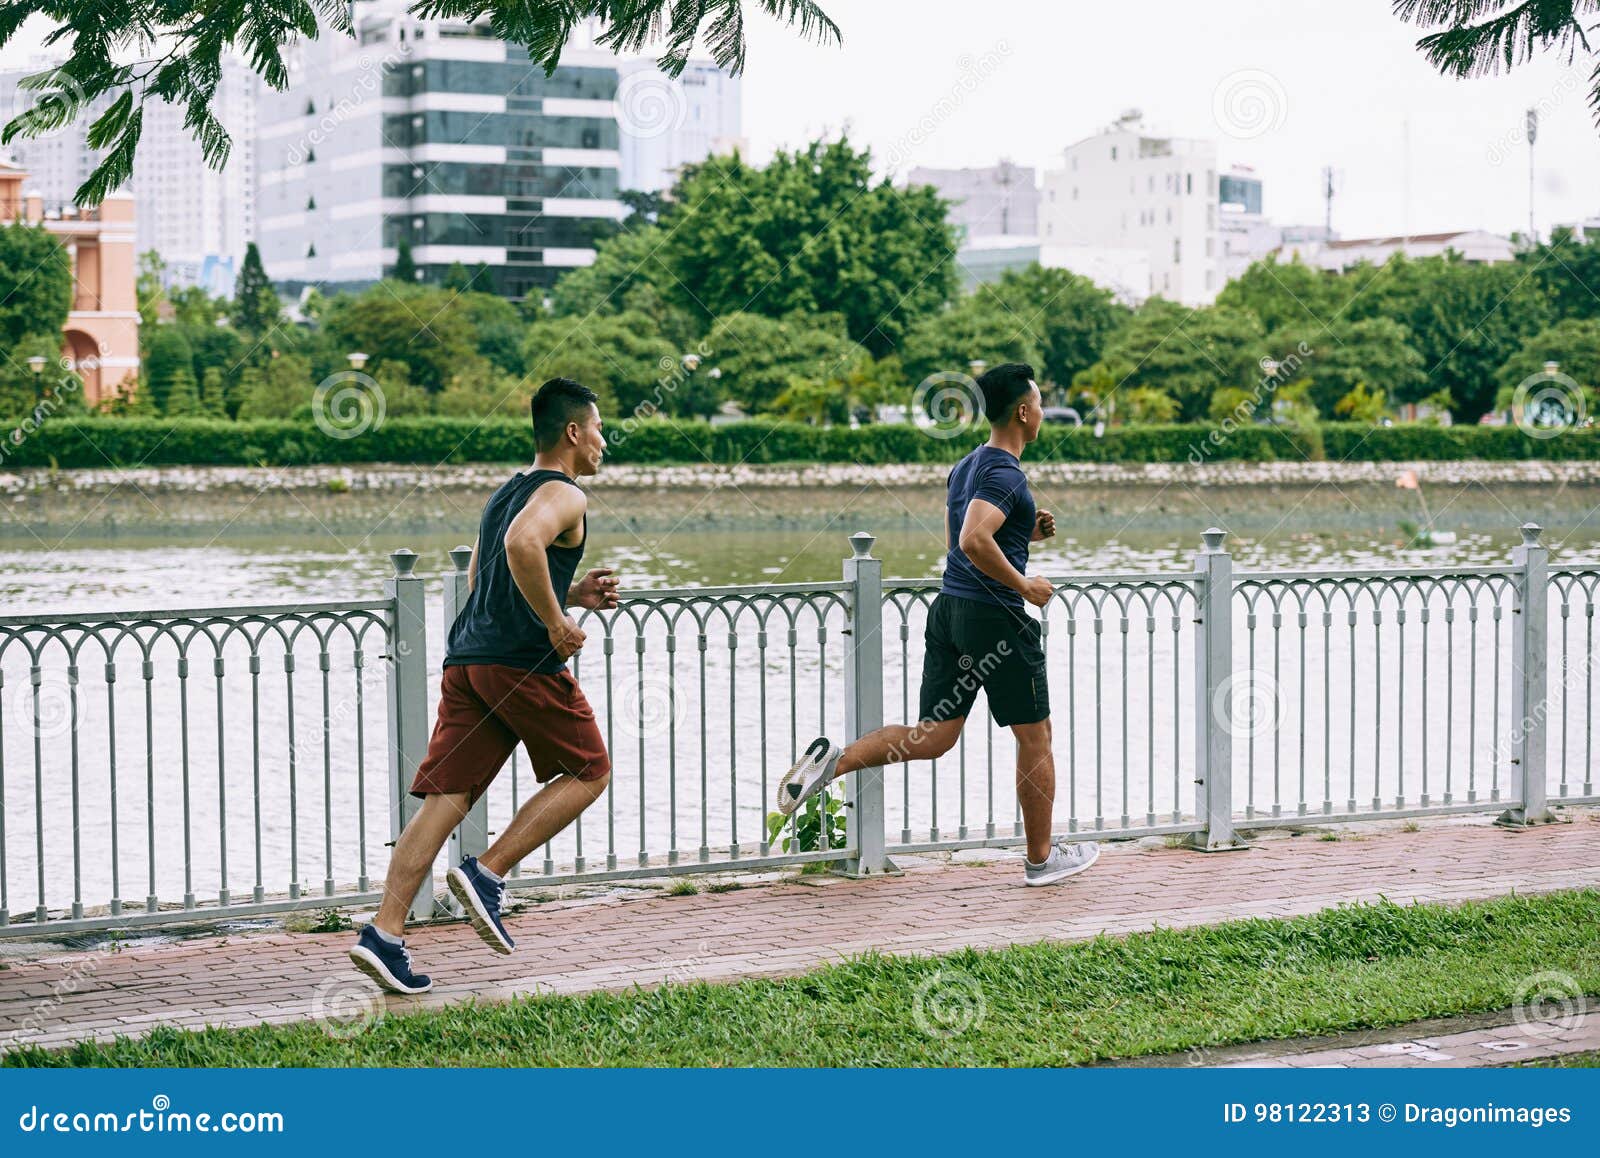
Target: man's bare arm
978, 544
550, 513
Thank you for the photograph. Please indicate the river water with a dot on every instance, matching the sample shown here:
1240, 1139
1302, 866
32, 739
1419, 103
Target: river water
700, 728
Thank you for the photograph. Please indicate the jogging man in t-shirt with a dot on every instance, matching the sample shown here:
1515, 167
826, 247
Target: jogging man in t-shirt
980, 634
506, 682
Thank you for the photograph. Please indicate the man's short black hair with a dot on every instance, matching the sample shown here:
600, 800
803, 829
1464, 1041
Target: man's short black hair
558, 402
1002, 388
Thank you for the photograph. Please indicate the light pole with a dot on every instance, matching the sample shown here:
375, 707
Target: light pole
1533, 135
357, 361
36, 364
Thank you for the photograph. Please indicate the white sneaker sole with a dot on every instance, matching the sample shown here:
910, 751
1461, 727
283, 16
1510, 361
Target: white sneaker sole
1063, 874
372, 965
807, 773
472, 905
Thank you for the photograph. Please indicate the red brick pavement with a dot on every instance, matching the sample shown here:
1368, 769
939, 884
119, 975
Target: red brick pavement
786, 927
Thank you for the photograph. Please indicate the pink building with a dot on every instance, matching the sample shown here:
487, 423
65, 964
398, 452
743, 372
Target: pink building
101, 338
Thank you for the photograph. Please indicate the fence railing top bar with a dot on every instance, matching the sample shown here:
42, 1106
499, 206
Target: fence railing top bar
747, 591
160, 615
1080, 579
1334, 574
1578, 568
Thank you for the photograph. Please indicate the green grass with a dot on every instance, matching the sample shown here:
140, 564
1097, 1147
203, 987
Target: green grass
1590, 1059
1042, 1004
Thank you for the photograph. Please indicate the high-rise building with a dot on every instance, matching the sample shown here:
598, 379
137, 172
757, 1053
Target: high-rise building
436, 134
1126, 188
197, 218
668, 123
996, 201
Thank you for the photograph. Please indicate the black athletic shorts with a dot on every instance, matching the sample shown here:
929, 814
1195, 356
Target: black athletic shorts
970, 645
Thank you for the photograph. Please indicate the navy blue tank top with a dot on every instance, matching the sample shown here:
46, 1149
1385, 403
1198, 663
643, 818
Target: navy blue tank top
497, 625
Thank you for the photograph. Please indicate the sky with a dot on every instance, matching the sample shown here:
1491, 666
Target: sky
1285, 87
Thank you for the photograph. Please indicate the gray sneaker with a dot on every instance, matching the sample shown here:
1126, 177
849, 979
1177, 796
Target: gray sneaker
1065, 860
809, 775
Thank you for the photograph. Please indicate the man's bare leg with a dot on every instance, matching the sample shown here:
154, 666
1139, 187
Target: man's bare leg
897, 743
414, 854
541, 816
1036, 786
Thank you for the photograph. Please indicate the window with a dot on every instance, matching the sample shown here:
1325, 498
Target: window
1211, 247
1177, 251
1074, 192
1113, 152
1188, 183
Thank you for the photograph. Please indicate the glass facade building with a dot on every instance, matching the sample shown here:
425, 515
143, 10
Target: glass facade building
441, 136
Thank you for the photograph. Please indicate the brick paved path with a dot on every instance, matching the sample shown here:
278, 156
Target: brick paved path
787, 927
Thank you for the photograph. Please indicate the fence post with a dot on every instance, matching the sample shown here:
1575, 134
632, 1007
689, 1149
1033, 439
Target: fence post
1530, 680
863, 706
471, 837
407, 662
1213, 685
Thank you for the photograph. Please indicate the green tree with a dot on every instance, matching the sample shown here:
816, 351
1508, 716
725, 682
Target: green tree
278, 389
255, 306
621, 357
1187, 354
1070, 317
758, 358
186, 66
213, 393
429, 329
149, 287
21, 390
457, 278
1334, 358
1568, 270
810, 232
405, 268
1286, 294
978, 326
167, 357
1361, 404
182, 395
1573, 344
35, 282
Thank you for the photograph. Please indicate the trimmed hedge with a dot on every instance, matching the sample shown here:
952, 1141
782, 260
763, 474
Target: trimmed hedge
128, 442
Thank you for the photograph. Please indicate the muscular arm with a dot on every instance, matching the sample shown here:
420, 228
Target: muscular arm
978, 544
550, 513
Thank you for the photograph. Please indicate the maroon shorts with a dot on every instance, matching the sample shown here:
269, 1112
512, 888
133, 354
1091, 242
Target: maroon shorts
486, 709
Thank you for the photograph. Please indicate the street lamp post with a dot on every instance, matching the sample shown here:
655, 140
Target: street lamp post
357, 360
36, 364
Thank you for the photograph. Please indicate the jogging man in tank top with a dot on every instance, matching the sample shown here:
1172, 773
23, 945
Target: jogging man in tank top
506, 682
980, 634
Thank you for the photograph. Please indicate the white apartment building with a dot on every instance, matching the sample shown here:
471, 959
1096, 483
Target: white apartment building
197, 218
1127, 189
994, 201
668, 123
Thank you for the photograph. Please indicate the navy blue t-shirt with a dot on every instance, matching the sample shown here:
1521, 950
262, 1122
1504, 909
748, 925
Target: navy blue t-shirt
995, 476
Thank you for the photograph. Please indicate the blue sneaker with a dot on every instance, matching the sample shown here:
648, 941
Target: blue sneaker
480, 899
387, 964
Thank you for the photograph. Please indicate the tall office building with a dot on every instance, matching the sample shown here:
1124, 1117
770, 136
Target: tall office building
196, 217
435, 133
667, 123
1128, 189
999, 200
